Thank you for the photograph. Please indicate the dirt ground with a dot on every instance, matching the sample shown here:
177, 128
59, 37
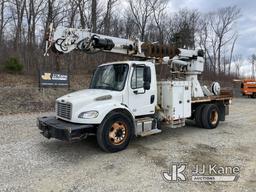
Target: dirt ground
20, 93
30, 162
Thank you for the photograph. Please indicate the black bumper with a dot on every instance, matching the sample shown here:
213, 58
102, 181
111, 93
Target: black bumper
62, 130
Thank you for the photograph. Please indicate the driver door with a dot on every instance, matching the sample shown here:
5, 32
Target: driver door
141, 101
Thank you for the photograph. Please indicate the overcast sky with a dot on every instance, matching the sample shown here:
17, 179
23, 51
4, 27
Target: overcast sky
246, 25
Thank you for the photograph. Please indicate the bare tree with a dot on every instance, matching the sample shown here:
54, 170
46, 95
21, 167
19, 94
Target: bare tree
49, 15
252, 60
221, 22
108, 15
17, 10
147, 18
183, 28
3, 19
81, 8
54, 12
159, 12
218, 38
94, 16
141, 11
33, 11
237, 64
72, 12
203, 36
231, 54
130, 30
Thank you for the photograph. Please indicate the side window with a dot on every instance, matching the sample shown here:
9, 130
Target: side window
137, 77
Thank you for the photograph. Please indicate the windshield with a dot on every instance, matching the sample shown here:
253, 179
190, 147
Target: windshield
111, 77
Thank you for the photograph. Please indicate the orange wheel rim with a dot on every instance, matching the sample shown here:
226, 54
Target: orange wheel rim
118, 133
214, 117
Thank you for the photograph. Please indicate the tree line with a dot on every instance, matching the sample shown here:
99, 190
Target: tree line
24, 24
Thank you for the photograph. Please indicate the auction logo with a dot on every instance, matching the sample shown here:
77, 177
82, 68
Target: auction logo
201, 173
176, 172
46, 76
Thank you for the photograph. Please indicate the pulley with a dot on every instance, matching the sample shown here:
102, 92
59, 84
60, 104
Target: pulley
215, 88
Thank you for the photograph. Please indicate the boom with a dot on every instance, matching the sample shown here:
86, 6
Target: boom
190, 63
65, 40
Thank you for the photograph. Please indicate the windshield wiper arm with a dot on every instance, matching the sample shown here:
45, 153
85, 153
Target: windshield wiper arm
104, 87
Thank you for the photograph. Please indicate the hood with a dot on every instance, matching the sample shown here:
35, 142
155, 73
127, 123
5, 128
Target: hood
88, 96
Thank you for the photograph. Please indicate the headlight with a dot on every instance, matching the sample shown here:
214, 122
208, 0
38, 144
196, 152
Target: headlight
88, 115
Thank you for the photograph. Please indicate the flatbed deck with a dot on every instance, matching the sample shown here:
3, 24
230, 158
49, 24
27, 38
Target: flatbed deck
226, 96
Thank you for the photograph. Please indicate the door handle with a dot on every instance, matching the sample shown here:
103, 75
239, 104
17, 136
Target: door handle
152, 99
136, 92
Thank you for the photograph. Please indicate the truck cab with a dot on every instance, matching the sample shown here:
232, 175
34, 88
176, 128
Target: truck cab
129, 86
119, 103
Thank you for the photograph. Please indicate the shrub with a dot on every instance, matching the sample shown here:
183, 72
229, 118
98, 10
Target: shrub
13, 65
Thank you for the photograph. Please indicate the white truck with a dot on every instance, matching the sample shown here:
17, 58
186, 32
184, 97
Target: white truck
125, 99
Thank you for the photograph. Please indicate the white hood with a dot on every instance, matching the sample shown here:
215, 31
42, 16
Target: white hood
87, 96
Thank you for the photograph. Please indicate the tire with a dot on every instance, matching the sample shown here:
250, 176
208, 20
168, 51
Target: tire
115, 132
210, 116
198, 115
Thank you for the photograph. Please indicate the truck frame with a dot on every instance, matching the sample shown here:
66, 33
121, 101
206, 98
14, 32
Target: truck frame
125, 99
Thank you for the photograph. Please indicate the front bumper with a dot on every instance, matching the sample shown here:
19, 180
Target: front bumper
63, 130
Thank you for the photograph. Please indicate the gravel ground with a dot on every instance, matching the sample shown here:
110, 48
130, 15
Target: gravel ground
29, 162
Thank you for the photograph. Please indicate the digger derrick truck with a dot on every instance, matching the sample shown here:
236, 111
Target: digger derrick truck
128, 98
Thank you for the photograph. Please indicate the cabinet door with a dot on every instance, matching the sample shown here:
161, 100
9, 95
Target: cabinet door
187, 101
177, 102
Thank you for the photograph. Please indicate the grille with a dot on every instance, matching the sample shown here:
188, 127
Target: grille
64, 110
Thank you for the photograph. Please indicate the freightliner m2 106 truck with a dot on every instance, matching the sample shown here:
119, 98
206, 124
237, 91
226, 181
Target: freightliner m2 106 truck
126, 98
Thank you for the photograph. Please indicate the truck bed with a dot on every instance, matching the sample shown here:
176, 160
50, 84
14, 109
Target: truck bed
225, 96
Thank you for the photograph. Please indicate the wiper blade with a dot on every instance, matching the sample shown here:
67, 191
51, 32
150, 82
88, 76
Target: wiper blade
104, 87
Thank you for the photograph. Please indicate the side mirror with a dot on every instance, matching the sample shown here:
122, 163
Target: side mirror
147, 78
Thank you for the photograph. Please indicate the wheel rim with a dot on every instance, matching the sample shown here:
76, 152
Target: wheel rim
214, 117
118, 133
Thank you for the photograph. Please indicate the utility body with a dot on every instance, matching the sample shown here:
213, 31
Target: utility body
129, 98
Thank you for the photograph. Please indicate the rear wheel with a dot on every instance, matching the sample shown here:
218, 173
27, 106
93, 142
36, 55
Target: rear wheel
210, 116
115, 132
198, 115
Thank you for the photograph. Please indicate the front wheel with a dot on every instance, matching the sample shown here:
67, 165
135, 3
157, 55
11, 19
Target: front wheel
115, 132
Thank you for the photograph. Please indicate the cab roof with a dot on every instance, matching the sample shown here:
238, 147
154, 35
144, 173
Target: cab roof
128, 62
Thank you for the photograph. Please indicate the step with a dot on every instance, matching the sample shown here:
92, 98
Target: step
151, 132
